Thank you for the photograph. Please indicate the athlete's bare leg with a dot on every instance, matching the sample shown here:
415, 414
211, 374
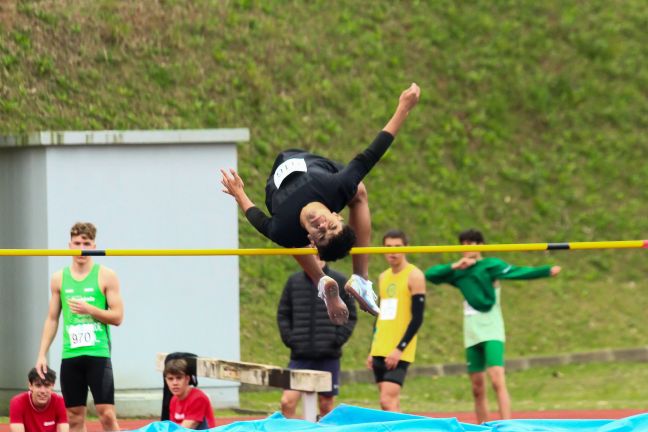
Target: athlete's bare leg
478, 382
498, 379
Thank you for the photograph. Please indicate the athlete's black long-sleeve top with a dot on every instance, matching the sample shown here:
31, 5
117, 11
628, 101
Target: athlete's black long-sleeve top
333, 189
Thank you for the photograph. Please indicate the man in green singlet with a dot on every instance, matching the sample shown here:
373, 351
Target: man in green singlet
88, 295
478, 280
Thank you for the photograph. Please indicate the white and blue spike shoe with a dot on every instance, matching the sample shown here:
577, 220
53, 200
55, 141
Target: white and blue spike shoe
328, 290
362, 290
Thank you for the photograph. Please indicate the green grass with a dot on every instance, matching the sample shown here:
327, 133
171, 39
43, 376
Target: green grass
572, 387
531, 127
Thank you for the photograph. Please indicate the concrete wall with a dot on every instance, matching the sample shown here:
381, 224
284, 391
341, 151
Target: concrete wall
140, 196
23, 287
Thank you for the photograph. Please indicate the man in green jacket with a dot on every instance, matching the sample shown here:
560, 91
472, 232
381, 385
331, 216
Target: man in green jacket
477, 279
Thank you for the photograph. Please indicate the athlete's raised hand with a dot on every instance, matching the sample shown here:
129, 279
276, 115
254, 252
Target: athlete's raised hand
232, 182
555, 270
464, 263
233, 185
407, 100
409, 97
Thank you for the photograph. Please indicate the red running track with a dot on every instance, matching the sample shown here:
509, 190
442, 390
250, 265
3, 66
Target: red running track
465, 417
469, 417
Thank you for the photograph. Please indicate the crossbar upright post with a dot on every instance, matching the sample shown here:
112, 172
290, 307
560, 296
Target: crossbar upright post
310, 406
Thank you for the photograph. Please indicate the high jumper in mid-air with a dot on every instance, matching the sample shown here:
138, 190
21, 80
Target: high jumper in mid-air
305, 193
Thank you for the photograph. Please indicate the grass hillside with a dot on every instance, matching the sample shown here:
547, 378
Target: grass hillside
532, 126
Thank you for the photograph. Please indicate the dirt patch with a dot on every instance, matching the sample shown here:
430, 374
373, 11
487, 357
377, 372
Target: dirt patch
7, 14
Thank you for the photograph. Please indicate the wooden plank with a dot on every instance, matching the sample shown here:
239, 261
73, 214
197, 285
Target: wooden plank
259, 374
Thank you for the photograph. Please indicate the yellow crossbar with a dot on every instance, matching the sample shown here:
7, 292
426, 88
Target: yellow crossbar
514, 247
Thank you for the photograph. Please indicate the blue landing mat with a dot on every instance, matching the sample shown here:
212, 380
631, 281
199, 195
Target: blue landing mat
346, 418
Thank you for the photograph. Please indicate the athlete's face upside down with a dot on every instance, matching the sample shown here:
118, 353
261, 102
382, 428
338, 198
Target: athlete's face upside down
321, 225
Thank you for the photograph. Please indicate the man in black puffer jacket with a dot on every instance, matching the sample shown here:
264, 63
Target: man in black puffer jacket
314, 341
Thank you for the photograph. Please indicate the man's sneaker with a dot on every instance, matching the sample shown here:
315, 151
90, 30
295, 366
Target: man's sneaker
361, 289
327, 290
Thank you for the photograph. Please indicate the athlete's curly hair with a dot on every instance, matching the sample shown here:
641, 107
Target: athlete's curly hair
84, 229
337, 246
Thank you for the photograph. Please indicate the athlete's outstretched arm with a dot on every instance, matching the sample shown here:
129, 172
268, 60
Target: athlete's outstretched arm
359, 213
503, 270
360, 166
408, 100
233, 185
440, 273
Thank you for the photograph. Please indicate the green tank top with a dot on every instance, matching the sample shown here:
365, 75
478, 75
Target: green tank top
82, 334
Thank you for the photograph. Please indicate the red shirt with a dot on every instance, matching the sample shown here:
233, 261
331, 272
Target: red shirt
196, 407
23, 411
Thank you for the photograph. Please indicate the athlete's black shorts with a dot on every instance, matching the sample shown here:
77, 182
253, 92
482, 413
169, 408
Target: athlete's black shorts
79, 373
396, 375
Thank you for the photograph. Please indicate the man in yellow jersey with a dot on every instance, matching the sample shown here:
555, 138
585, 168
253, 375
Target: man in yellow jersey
402, 303
88, 295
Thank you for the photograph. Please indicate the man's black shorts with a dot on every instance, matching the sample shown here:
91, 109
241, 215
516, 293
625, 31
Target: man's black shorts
396, 375
79, 373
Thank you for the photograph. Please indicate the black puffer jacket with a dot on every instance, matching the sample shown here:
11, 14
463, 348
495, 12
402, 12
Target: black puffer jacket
304, 324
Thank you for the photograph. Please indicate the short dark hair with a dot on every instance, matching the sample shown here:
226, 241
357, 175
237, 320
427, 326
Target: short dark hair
176, 367
396, 233
34, 378
338, 246
471, 236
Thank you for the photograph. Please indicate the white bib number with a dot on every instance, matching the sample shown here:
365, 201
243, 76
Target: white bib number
388, 308
82, 335
288, 167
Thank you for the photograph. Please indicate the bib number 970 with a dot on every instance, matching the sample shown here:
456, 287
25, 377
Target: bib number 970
82, 335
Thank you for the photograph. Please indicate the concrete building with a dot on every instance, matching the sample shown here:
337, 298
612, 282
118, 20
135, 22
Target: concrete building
143, 190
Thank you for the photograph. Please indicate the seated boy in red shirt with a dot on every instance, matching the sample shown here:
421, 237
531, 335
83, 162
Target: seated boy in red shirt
189, 407
38, 410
